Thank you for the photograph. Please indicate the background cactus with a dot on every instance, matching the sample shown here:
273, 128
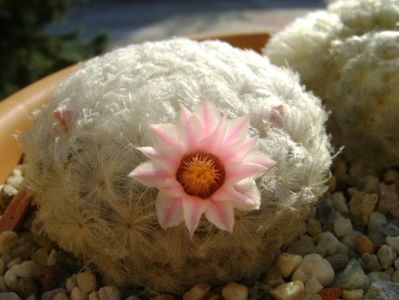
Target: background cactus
349, 56
78, 166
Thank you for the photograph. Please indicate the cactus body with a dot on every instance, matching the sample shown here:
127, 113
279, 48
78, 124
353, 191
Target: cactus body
348, 55
83, 146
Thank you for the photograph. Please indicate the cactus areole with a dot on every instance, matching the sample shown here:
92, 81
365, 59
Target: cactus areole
170, 163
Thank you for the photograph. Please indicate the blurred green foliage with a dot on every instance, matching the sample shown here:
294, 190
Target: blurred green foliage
28, 52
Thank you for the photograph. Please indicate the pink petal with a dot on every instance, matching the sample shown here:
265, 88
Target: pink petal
236, 171
184, 115
169, 159
213, 142
166, 137
64, 117
210, 116
169, 210
149, 174
257, 157
193, 132
221, 214
240, 197
237, 130
237, 151
193, 209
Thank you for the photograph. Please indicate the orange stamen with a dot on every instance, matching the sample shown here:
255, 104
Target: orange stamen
200, 174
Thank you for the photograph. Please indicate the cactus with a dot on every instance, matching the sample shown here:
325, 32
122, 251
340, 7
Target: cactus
348, 56
91, 136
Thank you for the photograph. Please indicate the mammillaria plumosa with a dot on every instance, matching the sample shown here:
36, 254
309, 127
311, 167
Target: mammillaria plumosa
349, 56
176, 162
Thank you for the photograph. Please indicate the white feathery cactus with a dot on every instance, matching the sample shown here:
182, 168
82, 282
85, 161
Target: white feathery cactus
349, 55
91, 136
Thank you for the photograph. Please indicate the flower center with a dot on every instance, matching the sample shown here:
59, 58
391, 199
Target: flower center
200, 174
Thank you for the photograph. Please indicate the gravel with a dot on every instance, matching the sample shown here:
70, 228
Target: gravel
350, 248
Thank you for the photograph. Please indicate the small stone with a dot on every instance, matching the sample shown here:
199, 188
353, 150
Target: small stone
342, 226
391, 175
31, 297
338, 261
22, 251
356, 294
26, 269
340, 168
375, 276
7, 240
26, 287
389, 229
159, 297
50, 294
128, 298
370, 262
339, 203
327, 243
287, 263
52, 258
361, 206
314, 297
377, 219
363, 244
352, 277
3, 287
109, 293
71, 283
377, 238
40, 257
273, 277
78, 294
393, 241
95, 296
294, 290
50, 277
86, 281
1, 267
259, 291
13, 262
314, 227
332, 184
395, 276
9, 296
303, 246
330, 293
235, 291
388, 197
313, 265
60, 296
312, 286
6, 258
11, 279
370, 184
383, 290
197, 292
386, 255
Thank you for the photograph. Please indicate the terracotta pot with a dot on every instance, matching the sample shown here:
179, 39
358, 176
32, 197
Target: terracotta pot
15, 111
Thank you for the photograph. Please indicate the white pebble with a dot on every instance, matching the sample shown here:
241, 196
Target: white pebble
312, 286
339, 202
77, 294
11, 279
86, 281
235, 291
342, 226
386, 255
109, 293
327, 243
293, 290
356, 294
26, 269
95, 296
7, 241
287, 263
197, 292
71, 283
13, 262
313, 265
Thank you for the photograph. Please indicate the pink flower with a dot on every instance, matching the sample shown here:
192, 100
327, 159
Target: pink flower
203, 165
